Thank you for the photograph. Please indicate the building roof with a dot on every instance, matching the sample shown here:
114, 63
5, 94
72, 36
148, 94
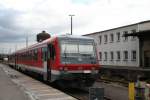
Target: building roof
117, 28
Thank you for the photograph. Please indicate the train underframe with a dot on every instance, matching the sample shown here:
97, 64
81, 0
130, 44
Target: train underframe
76, 80
65, 79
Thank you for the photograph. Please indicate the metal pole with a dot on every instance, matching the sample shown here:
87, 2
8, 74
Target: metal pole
71, 25
71, 22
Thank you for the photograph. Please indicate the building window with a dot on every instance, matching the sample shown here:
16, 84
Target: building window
105, 39
100, 56
133, 54
105, 53
118, 56
111, 37
111, 56
125, 55
133, 31
100, 39
118, 36
125, 37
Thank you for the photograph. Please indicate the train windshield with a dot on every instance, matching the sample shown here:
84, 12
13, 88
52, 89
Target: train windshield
76, 49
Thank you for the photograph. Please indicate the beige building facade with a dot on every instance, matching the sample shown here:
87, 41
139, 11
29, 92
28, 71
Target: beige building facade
116, 50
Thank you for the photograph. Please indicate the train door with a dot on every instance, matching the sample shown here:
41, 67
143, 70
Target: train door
50, 60
45, 65
48, 54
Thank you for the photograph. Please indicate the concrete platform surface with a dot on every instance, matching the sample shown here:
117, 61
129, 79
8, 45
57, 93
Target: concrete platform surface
113, 91
9, 90
33, 88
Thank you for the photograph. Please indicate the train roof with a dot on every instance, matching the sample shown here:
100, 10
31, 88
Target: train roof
75, 37
36, 44
52, 39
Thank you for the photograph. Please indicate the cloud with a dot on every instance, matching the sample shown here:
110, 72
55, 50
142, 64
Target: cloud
20, 17
83, 1
8, 27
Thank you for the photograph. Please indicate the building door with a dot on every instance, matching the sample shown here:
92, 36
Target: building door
147, 59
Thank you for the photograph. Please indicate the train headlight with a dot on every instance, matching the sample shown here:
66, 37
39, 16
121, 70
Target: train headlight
93, 68
65, 69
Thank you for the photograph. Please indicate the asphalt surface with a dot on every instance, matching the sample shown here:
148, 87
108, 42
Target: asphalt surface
113, 91
8, 90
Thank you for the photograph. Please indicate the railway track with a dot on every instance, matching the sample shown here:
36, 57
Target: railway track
120, 89
79, 94
108, 81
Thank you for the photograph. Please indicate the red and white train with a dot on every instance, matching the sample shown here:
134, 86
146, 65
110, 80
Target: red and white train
69, 60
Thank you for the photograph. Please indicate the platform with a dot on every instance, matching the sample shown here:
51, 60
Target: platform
9, 90
34, 89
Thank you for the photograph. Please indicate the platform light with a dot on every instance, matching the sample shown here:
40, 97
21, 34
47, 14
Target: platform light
71, 22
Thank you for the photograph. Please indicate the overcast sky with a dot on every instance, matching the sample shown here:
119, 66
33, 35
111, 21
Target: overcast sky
21, 17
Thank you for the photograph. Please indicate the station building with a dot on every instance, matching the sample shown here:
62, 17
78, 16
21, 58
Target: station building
119, 49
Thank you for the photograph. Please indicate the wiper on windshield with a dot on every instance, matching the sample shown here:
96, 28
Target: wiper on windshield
65, 52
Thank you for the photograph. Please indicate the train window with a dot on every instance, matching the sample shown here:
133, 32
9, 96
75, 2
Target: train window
35, 54
44, 54
48, 54
86, 48
69, 48
52, 51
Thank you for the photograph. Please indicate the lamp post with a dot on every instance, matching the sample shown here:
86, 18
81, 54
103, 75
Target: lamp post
71, 22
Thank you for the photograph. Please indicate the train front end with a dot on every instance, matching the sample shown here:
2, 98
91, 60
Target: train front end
78, 61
